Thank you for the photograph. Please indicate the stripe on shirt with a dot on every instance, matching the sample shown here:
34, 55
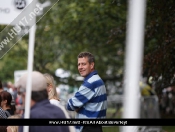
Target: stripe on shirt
93, 85
93, 114
96, 107
98, 99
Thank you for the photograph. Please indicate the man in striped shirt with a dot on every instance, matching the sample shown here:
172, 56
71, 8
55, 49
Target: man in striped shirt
90, 101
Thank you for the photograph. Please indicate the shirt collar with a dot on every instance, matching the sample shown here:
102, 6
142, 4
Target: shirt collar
90, 75
40, 103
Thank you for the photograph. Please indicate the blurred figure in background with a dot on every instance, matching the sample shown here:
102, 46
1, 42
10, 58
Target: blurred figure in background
19, 109
3, 128
9, 86
5, 86
53, 96
19, 104
39, 103
51, 89
145, 88
6, 103
2, 113
13, 128
12, 92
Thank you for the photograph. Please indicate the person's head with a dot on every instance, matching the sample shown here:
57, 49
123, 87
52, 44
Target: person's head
2, 113
38, 87
86, 63
3, 128
13, 128
5, 84
51, 88
6, 99
9, 84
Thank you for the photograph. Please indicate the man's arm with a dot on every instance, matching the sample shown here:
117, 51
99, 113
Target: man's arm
81, 97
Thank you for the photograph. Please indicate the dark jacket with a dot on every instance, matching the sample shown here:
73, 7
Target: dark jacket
46, 110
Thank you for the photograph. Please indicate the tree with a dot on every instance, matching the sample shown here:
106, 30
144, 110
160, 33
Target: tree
72, 27
159, 59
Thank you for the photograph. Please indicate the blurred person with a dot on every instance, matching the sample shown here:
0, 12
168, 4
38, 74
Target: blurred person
3, 128
53, 96
5, 86
145, 88
90, 101
13, 94
39, 103
19, 109
6, 103
51, 89
2, 113
18, 100
9, 86
13, 128
12, 90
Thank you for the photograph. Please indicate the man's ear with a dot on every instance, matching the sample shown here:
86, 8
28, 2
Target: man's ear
92, 65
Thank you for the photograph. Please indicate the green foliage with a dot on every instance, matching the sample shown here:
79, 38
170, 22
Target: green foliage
159, 59
72, 27
97, 26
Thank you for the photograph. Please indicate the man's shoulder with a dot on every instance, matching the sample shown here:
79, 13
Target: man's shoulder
93, 82
93, 78
47, 111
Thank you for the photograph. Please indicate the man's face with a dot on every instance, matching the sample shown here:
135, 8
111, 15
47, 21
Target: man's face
84, 67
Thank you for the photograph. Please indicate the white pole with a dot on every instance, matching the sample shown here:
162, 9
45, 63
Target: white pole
133, 61
30, 69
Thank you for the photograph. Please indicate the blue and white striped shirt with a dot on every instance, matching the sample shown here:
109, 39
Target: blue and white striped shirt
90, 99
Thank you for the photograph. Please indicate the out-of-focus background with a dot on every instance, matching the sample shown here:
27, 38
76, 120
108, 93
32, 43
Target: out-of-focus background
99, 26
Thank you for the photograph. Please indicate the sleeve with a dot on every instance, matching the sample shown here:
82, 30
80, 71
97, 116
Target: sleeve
81, 97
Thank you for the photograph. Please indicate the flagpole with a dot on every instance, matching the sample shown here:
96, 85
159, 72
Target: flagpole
133, 60
30, 68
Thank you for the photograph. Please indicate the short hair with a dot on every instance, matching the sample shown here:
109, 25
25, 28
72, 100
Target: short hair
89, 55
38, 96
10, 100
6, 96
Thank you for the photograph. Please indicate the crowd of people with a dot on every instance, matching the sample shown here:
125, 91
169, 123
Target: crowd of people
12, 98
90, 101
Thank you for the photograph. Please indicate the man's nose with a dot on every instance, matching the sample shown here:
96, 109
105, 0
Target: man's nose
80, 66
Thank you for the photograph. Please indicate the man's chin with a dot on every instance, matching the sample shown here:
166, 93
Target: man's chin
82, 75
